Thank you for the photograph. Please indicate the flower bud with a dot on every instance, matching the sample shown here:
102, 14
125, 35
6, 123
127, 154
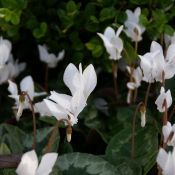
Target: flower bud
69, 133
20, 107
143, 115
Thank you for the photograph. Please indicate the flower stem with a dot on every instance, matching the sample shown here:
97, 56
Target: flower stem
133, 129
46, 77
114, 72
55, 131
34, 118
147, 95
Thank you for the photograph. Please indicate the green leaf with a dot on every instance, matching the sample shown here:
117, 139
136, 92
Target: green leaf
15, 17
146, 146
14, 4
13, 137
107, 13
40, 31
129, 53
86, 164
42, 138
71, 8
169, 30
4, 149
94, 45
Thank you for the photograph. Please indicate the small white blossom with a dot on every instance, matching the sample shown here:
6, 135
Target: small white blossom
155, 65
168, 131
14, 67
166, 161
49, 58
29, 164
164, 96
5, 50
136, 76
81, 84
112, 42
26, 85
134, 29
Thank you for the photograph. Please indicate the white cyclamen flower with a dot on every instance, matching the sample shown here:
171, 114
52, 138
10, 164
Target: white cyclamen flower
168, 131
134, 29
81, 84
49, 58
155, 66
164, 96
136, 76
14, 67
5, 49
29, 164
166, 161
112, 42
26, 85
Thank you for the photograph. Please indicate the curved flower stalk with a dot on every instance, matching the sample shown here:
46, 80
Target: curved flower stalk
29, 164
26, 85
49, 58
5, 50
168, 131
112, 42
155, 66
134, 29
81, 84
166, 161
164, 96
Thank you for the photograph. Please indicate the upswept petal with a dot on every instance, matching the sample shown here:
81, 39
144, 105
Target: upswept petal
137, 12
162, 158
55, 110
62, 100
170, 55
70, 72
109, 33
4, 74
156, 47
43, 53
5, 49
78, 102
46, 164
12, 88
166, 130
89, 80
28, 164
61, 55
27, 85
130, 17
119, 31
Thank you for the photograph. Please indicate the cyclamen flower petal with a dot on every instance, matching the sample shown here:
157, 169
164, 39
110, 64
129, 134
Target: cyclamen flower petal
134, 29
169, 134
76, 79
161, 98
166, 161
112, 42
49, 58
26, 85
5, 49
81, 84
29, 164
155, 65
